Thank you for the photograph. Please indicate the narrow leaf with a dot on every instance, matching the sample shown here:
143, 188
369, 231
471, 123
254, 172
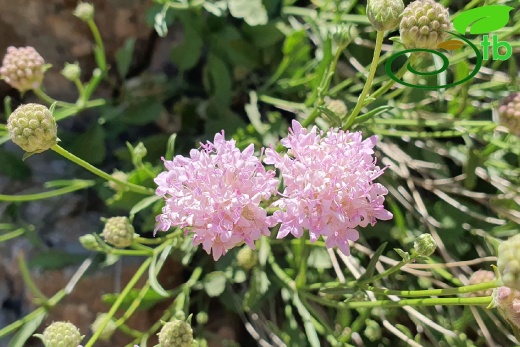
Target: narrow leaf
372, 264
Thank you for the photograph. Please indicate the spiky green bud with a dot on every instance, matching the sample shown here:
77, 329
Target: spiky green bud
509, 262
509, 113
176, 333
61, 334
72, 72
118, 231
385, 14
424, 24
424, 245
247, 258
84, 11
23, 68
33, 128
109, 329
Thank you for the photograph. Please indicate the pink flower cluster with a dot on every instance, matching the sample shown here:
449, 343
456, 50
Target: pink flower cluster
217, 194
329, 187
329, 190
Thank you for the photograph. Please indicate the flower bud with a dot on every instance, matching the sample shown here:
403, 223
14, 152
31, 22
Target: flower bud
33, 128
509, 263
424, 245
84, 11
89, 242
247, 258
23, 68
507, 301
72, 72
118, 231
481, 276
176, 333
424, 24
509, 113
385, 14
120, 175
109, 329
61, 334
338, 107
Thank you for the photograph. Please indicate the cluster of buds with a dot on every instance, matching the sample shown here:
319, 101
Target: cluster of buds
385, 14
23, 68
509, 263
424, 245
109, 329
177, 333
118, 231
509, 113
481, 276
507, 301
61, 334
33, 128
424, 24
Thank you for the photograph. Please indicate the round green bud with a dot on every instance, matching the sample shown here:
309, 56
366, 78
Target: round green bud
89, 242
509, 262
33, 128
118, 231
109, 329
509, 113
247, 258
424, 245
84, 11
23, 68
176, 333
424, 24
385, 14
61, 334
72, 72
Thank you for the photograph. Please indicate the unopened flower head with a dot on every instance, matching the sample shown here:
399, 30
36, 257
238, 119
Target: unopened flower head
338, 107
109, 329
424, 245
33, 128
118, 231
482, 276
247, 258
72, 72
61, 334
84, 11
176, 333
424, 24
23, 68
329, 185
509, 113
216, 194
385, 14
509, 263
507, 301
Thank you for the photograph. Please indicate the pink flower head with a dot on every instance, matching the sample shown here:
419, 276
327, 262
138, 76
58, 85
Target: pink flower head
216, 194
507, 301
329, 188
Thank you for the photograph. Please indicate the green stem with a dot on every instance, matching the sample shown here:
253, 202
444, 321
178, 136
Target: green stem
388, 271
80, 184
100, 53
400, 73
130, 186
44, 97
368, 83
484, 301
437, 292
119, 301
26, 276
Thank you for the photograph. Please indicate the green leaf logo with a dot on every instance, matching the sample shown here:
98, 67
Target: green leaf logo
482, 20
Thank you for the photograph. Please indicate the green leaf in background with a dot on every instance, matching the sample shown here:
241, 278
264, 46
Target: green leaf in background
319, 258
142, 113
90, 146
215, 283
252, 11
219, 79
263, 36
124, 57
187, 54
13, 167
27, 330
372, 264
150, 299
55, 259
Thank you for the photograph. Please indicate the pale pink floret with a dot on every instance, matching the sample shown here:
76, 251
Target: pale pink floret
329, 188
216, 194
